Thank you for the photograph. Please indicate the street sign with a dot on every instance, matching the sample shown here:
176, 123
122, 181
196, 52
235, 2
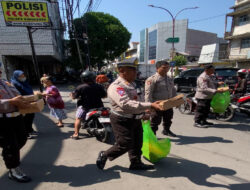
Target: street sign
173, 40
23, 13
172, 63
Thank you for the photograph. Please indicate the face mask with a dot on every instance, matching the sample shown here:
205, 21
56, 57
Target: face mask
23, 79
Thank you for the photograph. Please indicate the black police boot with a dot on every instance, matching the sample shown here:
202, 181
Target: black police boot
140, 166
101, 160
207, 123
18, 175
200, 125
168, 133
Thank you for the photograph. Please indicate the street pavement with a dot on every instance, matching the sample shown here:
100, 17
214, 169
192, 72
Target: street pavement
200, 159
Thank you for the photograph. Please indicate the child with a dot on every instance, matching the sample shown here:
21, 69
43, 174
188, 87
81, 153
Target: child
54, 101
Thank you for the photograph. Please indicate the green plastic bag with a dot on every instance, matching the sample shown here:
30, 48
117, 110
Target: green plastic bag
220, 102
153, 149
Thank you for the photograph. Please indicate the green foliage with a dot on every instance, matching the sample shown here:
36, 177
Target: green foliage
107, 38
180, 60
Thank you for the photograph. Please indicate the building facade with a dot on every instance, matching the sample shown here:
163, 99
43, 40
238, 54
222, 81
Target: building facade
153, 45
15, 49
239, 34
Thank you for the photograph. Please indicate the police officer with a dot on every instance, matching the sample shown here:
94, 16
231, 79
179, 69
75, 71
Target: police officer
161, 87
127, 112
89, 95
12, 130
206, 88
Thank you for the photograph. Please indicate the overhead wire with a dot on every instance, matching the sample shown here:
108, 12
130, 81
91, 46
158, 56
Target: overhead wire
208, 18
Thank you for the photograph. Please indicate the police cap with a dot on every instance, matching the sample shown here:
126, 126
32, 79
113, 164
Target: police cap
131, 62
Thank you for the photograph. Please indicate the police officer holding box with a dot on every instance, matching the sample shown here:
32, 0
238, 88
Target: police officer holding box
127, 112
161, 87
12, 131
206, 88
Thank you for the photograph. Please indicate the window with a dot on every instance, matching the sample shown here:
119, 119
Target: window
192, 73
152, 38
142, 45
245, 43
243, 20
226, 72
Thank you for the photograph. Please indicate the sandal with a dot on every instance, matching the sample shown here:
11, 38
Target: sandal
60, 125
74, 137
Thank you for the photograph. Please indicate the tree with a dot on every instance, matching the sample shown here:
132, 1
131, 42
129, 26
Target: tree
179, 61
107, 37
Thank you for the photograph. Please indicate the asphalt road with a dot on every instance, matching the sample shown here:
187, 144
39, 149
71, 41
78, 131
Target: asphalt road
200, 159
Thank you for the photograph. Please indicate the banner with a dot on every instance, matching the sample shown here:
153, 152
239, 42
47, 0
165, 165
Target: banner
23, 13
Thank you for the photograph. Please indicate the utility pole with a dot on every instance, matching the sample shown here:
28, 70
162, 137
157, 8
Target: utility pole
34, 59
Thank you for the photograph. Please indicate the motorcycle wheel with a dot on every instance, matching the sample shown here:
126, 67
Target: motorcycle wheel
227, 115
106, 136
185, 108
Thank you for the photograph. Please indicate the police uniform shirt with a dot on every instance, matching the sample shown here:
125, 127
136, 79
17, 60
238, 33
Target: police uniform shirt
206, 86
7, 91
158, 87
124, 99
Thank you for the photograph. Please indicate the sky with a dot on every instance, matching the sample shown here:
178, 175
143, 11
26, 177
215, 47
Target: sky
136, 15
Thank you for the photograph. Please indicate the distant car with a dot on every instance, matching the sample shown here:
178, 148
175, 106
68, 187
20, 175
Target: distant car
187, 80
227, 75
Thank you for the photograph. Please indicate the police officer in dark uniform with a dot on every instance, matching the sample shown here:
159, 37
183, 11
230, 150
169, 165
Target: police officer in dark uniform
89, 95
127, 111
12, 130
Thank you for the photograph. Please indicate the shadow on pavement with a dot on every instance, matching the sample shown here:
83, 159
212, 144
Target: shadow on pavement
196, 172
242, 186
39, 162
239, 126
184, 140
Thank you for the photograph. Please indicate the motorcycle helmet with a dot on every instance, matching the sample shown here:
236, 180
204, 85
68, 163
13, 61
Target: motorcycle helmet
242, 73
88, 76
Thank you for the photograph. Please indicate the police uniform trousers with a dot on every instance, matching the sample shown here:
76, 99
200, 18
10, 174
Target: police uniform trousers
157, 117
28, 120
202, 110
128, 135
13, 137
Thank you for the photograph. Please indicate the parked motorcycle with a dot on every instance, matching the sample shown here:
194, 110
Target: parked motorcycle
97, 124
189, 107
240, 104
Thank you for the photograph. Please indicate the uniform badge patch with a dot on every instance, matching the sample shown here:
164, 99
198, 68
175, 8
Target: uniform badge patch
148, 82
120, 91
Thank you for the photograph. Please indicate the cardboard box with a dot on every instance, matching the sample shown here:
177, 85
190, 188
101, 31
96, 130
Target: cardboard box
34, 107
172, 102
31, 98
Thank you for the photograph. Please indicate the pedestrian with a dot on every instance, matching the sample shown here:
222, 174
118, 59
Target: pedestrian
89, 96
206, 88
102, 78
55, 101
126, 115
161, 87
13, 135
19, 81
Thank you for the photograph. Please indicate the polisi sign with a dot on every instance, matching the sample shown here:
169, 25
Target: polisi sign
20, 13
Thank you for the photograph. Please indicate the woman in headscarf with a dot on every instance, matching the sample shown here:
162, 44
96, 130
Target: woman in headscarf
19, 80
